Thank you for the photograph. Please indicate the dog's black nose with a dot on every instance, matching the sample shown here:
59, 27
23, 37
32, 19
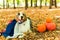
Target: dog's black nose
21, 17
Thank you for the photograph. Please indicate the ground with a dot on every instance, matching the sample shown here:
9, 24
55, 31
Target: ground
37, 15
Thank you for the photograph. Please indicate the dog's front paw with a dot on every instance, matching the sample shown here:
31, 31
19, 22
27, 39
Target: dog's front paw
21, 35
29, 31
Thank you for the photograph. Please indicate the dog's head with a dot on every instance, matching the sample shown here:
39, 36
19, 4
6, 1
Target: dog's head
21, 17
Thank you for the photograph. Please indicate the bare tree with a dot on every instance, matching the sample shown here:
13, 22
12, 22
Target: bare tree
35, 3
45, 2
3, 4
31, 3
26, 4
40, 3
56, 3
14, 3
7, 3
53, 2
18, 2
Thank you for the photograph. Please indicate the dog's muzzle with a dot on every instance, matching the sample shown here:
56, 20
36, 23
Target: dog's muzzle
21, 17
21, 20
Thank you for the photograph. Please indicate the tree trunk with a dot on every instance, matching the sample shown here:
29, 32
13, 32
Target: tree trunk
31, 3
45, 2
3, 4
35, 3
53, 2
17, 2
14, 3
26, 4
40, 3
7, 3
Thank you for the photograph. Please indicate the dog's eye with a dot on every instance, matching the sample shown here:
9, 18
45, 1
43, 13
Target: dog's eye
18, 13
23, 13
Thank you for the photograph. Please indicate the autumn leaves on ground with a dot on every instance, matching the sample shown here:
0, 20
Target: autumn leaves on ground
38, 16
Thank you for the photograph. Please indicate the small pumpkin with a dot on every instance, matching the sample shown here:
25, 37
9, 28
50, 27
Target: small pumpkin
50, 26
48, 20
41, 27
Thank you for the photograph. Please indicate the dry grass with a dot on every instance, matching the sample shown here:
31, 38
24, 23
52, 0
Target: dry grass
37, 16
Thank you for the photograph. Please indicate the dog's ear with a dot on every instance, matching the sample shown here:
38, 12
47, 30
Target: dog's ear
30, 24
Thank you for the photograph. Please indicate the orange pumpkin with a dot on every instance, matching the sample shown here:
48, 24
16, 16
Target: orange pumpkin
48, 20
51, 26
41, 27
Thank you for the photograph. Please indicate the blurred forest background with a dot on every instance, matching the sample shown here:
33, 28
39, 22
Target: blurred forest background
37, 15
21, 3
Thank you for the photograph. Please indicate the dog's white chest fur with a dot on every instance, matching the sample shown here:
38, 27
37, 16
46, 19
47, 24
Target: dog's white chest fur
21, 28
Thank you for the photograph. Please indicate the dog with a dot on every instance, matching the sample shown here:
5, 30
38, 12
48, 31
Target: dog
21, 26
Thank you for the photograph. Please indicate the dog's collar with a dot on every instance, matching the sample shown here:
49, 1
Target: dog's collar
20, 22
